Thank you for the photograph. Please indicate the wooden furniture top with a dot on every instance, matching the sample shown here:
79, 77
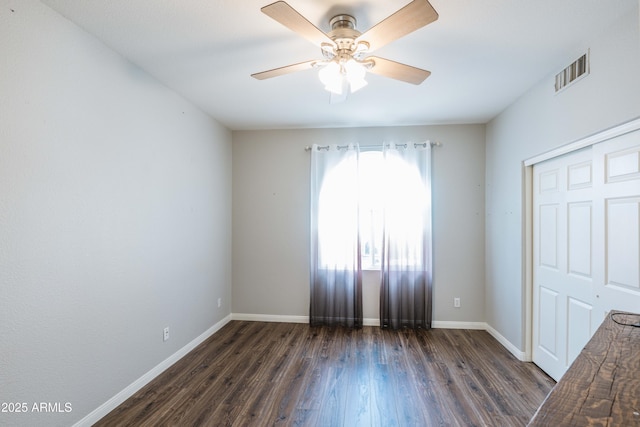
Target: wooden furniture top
602, 386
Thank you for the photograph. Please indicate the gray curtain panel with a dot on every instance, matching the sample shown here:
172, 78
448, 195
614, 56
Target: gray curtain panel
336, 273
406, 288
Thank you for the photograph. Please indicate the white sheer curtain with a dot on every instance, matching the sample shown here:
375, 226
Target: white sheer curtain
406, 288
336, 273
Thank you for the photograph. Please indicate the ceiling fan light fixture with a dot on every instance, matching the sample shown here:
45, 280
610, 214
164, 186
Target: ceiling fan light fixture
356, 84
355, 73
340, 77
331, 77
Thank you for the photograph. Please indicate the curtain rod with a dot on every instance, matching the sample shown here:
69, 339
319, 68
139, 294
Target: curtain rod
415, 144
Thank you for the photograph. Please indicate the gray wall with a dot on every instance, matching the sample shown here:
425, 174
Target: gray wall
538, 122
115, 218
271, 214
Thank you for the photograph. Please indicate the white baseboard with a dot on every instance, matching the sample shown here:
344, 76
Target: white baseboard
116, 400
288, 319
519, 354
371, 322
269, 318
443, 324
436, 324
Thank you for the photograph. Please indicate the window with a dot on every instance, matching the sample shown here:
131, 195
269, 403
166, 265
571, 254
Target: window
388, 189
371, 208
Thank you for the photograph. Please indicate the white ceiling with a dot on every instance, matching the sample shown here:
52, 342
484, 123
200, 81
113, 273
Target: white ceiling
482, 54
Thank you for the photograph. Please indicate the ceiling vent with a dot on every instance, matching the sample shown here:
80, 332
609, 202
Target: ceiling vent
574, 72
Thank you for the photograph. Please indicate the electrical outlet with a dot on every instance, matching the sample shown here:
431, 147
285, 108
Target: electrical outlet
166, 334
219, 302
456, 302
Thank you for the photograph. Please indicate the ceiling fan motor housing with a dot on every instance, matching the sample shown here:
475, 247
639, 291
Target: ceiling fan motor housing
342, 21
343, 33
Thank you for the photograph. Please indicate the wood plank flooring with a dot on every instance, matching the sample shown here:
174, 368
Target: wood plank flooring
285, 374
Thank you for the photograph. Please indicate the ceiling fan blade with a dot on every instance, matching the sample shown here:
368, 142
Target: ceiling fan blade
301, 66
398, 71
290, 18
410, 18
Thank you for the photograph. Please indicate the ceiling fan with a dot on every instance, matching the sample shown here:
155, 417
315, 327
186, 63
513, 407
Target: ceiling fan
344, 49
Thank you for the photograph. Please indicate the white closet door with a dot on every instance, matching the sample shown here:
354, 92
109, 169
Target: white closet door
586, 246
563, 273
618, 244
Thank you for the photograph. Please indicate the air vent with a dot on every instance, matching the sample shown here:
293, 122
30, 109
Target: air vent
574, 72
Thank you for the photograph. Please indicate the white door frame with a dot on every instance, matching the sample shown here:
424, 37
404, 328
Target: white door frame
527, 224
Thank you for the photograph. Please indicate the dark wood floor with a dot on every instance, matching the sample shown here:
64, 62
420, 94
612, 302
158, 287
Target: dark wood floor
263, 374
